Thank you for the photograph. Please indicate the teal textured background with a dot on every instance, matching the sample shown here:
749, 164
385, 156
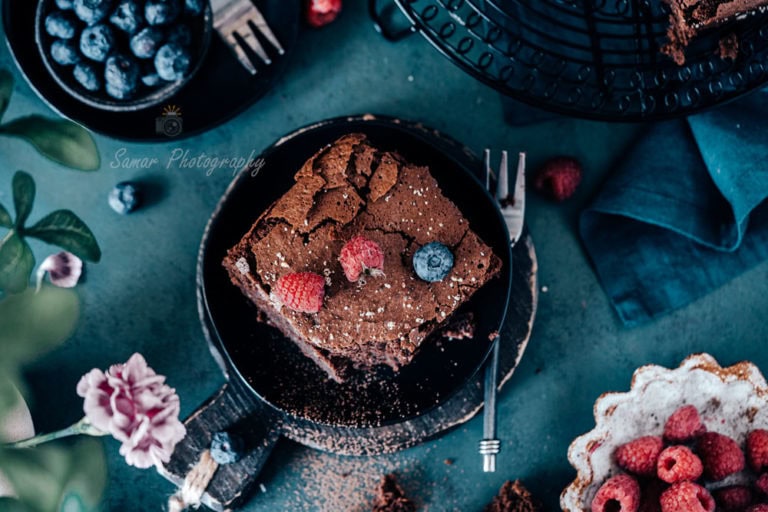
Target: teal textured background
141, 297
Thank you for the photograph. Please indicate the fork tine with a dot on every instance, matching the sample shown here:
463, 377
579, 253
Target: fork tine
502, 189
261, 24
520, 184
487, 160
253, 43
243, 57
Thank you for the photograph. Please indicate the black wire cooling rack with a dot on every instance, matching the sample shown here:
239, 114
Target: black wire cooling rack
598, 59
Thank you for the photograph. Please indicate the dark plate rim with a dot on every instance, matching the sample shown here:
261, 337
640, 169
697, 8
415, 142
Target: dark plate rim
423, 133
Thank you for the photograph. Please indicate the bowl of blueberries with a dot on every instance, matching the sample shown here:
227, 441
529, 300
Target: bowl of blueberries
123, 55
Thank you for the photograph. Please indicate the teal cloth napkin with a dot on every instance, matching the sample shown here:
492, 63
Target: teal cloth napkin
685, 211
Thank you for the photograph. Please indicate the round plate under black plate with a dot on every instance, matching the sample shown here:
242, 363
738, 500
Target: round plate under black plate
221, 88
272, 366
598, 59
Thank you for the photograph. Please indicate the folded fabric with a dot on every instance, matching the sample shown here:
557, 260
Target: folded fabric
685, 212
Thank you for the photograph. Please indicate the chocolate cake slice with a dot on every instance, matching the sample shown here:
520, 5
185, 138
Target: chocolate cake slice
347, 189
690, 17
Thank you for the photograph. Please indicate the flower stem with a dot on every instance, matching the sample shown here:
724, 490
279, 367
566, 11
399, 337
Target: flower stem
81, 427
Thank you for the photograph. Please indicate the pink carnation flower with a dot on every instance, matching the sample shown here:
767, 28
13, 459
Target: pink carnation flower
133, 404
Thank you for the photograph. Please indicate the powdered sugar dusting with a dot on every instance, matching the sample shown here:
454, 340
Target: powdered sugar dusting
731, 401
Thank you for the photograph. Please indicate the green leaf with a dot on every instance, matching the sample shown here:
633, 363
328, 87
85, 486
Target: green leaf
60, 140
34, 322
5, 218
16, 263
65, 229
23, 196
13, 505
6, 89
51, 478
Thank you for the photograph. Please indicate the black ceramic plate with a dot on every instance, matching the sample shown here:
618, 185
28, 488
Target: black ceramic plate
219, 90
273, 366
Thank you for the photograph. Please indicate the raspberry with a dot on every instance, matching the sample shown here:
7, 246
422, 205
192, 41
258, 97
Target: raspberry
302, 292
558, 178
686, 497
761, 484
757, 449
734, 497
758, 508
361, 256
620, 493
720, 454
677, 464
322, 12
640, 456
684, 425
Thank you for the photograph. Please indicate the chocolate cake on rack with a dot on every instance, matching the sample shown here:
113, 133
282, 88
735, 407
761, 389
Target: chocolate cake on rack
350, 192
691, 17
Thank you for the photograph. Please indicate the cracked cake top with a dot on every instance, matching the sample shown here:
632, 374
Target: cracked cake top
351, 188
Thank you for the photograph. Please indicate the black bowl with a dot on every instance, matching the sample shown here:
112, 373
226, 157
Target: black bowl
62, 75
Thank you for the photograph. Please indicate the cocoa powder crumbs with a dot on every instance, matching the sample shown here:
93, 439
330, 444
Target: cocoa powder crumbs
350, 484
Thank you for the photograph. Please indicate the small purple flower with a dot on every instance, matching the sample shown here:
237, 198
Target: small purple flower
64, 269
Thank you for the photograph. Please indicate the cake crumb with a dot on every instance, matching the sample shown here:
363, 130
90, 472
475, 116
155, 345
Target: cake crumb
513, 497
449, 462
493, 335
391, 498
728, 48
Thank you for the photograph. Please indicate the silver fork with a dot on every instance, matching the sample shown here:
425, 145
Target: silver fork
237, 21
513, 211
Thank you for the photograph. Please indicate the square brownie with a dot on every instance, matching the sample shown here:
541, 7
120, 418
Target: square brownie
351, 188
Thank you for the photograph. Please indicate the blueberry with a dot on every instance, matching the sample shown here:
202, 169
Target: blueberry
87, 75
226, 448
144, 45
194, 7
65, 4
432, 262
61, 24
65, 52
125, 197
121, 74
172, 62
96, 42
92, 11
128, 16
151, 80
179, 34
161, 12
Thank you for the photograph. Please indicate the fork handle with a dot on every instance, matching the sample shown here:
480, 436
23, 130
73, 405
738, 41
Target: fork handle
489, 445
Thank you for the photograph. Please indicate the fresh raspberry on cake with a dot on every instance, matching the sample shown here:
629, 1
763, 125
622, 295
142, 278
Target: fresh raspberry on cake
640, 456
761, 484
678, 464
620, 493
733, 497
757, 449
322, 12
720, 454
684, 424
301, 291
558, 178
686, 497
361, 256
